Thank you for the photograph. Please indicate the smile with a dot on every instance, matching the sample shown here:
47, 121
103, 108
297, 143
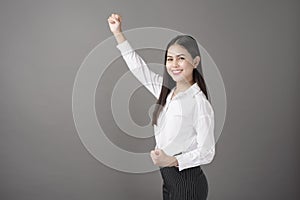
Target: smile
176, 72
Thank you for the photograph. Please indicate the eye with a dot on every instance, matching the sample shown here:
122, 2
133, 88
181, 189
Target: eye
169, 59
181, 58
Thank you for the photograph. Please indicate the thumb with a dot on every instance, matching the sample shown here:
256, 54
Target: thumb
156, 151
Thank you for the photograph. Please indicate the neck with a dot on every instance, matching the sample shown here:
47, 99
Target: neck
183, 85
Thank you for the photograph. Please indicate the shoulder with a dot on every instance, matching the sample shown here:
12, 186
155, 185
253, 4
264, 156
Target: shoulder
203, 106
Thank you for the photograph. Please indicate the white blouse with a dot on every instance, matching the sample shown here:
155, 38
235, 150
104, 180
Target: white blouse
185, 126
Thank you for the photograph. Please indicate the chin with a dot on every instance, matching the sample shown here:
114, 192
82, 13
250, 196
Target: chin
178, 79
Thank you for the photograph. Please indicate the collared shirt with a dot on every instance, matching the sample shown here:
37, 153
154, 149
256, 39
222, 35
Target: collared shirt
185, 126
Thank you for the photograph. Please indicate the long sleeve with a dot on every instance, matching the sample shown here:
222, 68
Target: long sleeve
151, 80
203, 123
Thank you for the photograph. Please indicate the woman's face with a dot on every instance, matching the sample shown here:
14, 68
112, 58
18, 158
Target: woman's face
180, 63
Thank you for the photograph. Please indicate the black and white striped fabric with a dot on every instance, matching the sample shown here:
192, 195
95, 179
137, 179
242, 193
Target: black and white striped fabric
188, 184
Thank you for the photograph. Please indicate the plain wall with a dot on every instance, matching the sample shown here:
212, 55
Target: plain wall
255, 44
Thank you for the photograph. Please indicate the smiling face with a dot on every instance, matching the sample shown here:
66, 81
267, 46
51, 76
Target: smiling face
180, 63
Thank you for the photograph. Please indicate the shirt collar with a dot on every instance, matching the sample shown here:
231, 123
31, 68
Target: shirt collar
192, 91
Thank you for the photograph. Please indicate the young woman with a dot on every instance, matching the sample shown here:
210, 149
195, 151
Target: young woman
183, 119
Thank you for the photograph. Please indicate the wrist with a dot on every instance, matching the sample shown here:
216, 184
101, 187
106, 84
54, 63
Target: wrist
119, 36
115, 33
174, 162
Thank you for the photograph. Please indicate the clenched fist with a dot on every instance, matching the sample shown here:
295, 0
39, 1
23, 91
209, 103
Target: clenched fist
114, 22
160, 158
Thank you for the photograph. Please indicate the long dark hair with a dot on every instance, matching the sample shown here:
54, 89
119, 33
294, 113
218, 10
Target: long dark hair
190, 44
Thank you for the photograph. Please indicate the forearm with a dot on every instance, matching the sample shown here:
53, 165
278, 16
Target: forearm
174, 162
120, 37
195, 157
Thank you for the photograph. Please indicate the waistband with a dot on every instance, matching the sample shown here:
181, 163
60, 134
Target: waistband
199, 166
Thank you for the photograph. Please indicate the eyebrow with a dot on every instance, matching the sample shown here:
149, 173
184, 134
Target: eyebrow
177, 55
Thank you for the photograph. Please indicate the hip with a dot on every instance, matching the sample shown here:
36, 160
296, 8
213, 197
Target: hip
192, 175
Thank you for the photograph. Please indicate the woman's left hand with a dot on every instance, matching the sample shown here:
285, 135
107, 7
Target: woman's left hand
160, 158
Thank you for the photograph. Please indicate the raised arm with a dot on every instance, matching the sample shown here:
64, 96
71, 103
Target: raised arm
114, 22
151, 80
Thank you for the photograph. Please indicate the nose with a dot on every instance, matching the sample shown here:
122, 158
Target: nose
175, 63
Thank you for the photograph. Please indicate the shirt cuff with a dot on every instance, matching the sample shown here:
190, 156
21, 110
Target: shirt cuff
124, 47
181, 164
184, 160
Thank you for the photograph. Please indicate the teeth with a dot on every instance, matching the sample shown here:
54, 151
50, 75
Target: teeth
176, 71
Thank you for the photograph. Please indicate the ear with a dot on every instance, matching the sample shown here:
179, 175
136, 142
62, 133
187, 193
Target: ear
196, 61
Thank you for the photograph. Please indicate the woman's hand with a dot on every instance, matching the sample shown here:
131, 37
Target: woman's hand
114, 22
160, 158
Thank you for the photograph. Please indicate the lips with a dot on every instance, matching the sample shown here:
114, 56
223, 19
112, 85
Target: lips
176, 72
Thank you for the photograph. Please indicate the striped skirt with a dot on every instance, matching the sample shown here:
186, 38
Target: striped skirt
188, 184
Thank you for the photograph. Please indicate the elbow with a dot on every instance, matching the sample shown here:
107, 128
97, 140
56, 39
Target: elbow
210, 156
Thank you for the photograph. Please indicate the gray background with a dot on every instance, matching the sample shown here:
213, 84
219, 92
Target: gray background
42, 44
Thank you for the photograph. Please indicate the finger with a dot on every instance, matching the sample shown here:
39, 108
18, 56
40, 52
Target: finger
158, 150
112, 20
152, 155
117, 17
111, 17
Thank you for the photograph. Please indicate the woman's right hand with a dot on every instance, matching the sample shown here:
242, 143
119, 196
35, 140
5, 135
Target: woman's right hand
114, 22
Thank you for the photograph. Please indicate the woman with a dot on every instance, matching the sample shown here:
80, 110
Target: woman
183, 119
